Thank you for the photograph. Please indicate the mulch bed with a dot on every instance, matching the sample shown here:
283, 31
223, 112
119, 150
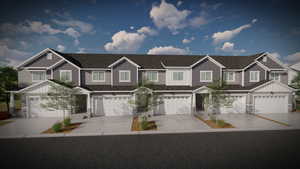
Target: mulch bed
212, 123
66, 129
136, 125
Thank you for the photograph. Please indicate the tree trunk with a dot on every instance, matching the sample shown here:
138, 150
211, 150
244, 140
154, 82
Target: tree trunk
7, 101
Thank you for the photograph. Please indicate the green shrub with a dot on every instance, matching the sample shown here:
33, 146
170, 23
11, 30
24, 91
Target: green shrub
212, 118
57, 127
144, 124
67, 121
222, 123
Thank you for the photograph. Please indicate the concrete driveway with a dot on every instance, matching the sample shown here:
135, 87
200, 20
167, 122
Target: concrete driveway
179, 122
106, 125
292, 119
247, 121
31, 126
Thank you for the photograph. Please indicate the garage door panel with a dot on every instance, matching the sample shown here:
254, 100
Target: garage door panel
238, 105
271, 104
175, 105
113, 106
37, 110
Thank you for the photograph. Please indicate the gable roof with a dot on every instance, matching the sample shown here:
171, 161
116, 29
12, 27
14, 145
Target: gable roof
92, 60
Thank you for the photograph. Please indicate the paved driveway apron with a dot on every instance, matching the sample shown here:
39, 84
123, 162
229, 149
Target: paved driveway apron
179, 122
292, 119
247, 121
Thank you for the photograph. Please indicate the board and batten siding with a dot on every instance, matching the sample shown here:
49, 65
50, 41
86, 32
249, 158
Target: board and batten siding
205, 65
66, 66
25, 78
127, 66
186, 77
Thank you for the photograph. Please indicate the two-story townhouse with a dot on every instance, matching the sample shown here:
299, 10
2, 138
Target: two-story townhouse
257, 83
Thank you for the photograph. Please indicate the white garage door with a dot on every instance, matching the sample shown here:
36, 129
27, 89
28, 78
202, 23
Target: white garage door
238, 105
174, 105
36, 109
113, 105
271, 104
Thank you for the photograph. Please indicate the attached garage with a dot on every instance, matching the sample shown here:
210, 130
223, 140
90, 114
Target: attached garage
271, 103
174, 104
113, 105
238, 105
35, 108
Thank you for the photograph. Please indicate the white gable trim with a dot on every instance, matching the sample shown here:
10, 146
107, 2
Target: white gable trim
36, 84
259, 64
201, 88
124, 58
271, 82
83, 89
143, 88
272, 58
56, 64
209, 58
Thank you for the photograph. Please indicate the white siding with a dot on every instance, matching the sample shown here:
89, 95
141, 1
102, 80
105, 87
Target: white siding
187, 77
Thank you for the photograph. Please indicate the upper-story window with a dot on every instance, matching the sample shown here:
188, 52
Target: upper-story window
151, 76
65, 75
177, 76
275, 76
254, 76
229, 76
38, 76
124, 76
265, 59
49, 56
98, 76
206, 76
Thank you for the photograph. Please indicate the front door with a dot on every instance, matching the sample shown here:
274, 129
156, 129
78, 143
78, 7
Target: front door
199, 102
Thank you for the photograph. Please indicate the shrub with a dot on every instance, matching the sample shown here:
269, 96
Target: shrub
144, 124
57, 127
222, 123
213, 118
67, 121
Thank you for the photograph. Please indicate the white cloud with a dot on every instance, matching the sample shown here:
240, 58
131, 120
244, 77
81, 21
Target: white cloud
179, 3
229, 34
123, 41
11, 57
275, 54
61, 48
147, 30
254, 20
72, 32
198, 21
82, 26
76, 42
131, 27
295, 57
229, 47
166, 15
185, 40
167, 50
81, 50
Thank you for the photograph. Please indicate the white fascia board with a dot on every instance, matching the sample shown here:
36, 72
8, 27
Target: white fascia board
211, 59
113, 91
173, 91
154, 69
276, 60
263, 66
65, 59
31, 58
124, 58
95, 69
33, 68
258, 63
56, 64
273, 81
202, 87
83, 89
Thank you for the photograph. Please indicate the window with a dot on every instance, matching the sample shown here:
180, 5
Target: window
152, 76
265, 59
229, 76
205, 76
124, 76
98, 76
49, 56
178, 76
254, 76
38, 76
66, 75
275, 76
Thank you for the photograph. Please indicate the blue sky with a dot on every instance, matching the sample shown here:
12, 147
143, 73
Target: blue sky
153, 27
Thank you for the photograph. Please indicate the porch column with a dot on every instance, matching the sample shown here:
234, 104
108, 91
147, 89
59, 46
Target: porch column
193, 102
12, 103
88, 104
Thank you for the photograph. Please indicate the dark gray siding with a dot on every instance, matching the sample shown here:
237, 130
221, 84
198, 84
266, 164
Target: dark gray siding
254, 67
270, 63
66, 66
283, 77
87, 78
238, 78
204, 65
42, 61
25, 79
124, 65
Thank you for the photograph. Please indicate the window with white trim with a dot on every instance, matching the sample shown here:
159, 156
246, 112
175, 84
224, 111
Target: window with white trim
275, 76
38, 76
229, 76
206, 76
98, 76
124, 76
254, 76
151, 76
65, 75
177, 76
49, 56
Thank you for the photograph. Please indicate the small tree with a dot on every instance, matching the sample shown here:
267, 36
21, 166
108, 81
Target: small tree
296, 84
218, 98
61, 97
8, 81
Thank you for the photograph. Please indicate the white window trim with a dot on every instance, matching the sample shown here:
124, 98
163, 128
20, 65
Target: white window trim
258, 76
61, 71
44, 71
178, 72
233, 77
123, 71
279, 76
98, 80
205, 71
146, 74
49, 56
